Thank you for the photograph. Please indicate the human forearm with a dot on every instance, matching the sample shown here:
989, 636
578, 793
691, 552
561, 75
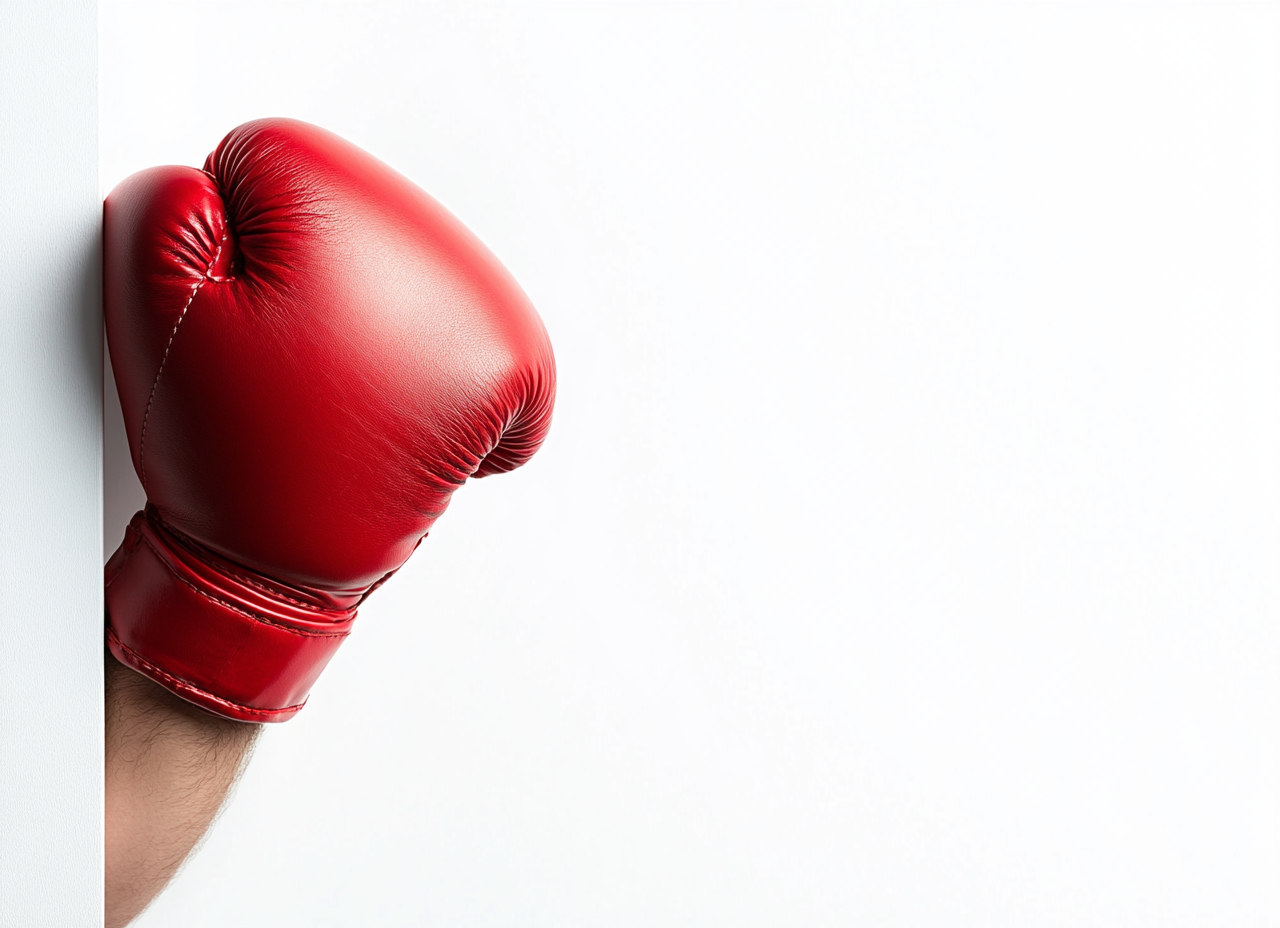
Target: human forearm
169, 767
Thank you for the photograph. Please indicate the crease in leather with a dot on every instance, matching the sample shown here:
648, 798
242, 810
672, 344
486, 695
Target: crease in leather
226, 604
297, 625
274, 589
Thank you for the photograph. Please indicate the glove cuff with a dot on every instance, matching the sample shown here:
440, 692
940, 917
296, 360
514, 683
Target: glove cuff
211, 632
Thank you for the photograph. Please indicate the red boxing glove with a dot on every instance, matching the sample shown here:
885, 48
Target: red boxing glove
312, 355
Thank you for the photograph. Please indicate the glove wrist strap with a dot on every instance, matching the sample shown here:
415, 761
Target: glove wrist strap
235, 646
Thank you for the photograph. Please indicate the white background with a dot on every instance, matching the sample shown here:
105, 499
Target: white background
50, 467
906, 550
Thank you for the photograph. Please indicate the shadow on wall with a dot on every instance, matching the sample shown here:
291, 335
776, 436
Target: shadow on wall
122, 494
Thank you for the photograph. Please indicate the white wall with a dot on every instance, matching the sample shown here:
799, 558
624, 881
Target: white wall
904, 551
50, 468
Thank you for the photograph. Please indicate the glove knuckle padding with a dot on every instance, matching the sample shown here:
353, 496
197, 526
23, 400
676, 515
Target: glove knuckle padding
312, 355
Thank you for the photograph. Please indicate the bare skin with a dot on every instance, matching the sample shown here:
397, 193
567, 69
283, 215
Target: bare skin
169, 769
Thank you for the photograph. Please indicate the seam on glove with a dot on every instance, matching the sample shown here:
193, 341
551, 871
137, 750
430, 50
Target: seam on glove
303, 632
275, 594
142, 440
182, 684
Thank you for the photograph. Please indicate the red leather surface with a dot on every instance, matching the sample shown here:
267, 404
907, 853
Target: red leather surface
312, 355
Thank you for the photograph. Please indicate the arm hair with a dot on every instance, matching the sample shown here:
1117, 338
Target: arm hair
169, 769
